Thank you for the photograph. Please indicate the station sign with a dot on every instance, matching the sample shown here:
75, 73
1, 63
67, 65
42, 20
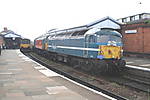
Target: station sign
130, 31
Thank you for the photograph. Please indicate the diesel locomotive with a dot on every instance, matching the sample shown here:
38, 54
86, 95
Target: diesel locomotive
90, 49
25, 45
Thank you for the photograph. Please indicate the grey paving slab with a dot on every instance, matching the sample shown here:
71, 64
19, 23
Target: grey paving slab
22, 79
15, 94
35, 92
2, 94
17, 98
43, 97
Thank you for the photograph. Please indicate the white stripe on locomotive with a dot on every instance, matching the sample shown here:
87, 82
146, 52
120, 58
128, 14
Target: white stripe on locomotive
74, 48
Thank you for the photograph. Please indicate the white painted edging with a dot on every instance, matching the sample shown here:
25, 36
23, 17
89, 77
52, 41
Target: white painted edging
140, 68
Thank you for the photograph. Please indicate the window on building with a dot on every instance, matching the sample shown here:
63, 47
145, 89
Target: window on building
132, 18
128, 19
124, 20
137, 17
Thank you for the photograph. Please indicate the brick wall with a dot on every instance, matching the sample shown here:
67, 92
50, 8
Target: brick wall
136, 42
146, 44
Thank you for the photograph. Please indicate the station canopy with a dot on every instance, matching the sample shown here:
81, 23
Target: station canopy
11, 34
105, 22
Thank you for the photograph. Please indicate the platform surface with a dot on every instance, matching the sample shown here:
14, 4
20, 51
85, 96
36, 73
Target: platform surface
138, 62
23, 79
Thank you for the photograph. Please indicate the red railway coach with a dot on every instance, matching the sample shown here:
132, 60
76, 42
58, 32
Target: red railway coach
1, 43
1, 40
38, 44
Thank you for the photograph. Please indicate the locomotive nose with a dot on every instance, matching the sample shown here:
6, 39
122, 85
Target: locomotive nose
109, 52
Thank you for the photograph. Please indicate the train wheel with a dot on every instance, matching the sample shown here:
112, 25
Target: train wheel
121, 65
100, 67
86, 65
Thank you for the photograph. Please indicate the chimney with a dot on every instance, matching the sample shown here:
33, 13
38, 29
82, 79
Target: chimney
5, 29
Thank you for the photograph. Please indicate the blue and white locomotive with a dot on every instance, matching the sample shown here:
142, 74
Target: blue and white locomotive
92, 49
88, 49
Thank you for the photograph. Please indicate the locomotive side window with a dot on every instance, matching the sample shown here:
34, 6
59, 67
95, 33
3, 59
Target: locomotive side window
92, 39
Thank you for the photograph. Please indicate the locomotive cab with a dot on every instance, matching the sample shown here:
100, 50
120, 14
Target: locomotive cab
110, 44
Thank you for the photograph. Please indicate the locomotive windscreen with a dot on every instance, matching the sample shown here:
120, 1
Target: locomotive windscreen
25, 41
106, 38
109, 37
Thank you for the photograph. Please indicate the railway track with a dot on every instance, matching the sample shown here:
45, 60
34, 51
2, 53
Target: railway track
130, 78
137, 79
132, 82
72, 75
133, 78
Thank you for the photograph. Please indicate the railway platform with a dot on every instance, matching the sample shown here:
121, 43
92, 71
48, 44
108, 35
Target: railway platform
23, 79
139, 63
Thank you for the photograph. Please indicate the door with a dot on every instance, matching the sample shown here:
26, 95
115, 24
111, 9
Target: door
86, 43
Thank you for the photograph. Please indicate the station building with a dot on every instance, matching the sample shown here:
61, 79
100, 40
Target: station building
136, 33
11, 39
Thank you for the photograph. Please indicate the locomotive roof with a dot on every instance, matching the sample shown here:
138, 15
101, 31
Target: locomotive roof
108, 32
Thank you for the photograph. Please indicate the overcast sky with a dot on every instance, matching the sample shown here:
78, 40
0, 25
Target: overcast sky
31, 18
